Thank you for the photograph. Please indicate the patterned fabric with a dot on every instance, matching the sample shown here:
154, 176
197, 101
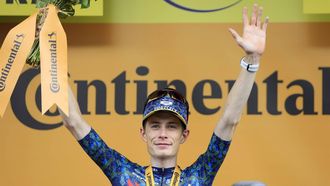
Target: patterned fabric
121, 172
169, 104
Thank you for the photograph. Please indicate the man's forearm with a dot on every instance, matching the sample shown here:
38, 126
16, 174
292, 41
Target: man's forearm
253, 42
74, 122
236, 100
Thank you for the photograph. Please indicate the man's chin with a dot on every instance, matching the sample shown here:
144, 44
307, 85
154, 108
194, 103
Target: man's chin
163, 155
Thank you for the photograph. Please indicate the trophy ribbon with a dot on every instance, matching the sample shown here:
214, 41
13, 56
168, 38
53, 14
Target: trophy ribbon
53, 66
13, 53
53, 56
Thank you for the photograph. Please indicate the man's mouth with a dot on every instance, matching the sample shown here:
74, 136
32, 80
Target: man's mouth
163, 145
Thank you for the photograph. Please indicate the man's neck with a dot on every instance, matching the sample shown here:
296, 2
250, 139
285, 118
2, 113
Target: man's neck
163, 162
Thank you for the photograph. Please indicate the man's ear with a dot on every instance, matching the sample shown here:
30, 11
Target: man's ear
185, 135
143, 134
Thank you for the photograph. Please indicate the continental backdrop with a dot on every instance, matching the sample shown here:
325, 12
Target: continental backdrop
116, 59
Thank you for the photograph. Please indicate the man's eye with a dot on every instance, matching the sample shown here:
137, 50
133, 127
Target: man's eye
154, 126
173, 126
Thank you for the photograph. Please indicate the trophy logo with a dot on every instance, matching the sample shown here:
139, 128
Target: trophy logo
11, 59
54, 85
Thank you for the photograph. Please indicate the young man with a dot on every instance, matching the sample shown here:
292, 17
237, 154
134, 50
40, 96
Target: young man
165, 122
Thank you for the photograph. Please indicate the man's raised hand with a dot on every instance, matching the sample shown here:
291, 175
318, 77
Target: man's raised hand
253, 40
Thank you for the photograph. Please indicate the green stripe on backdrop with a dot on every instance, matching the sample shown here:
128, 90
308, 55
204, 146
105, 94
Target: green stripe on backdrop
160, 11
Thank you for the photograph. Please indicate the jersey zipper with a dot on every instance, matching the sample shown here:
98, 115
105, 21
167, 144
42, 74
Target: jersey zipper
161, 184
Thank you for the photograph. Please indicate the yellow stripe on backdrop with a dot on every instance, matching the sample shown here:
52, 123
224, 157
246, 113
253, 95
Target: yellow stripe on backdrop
317, 6
176, 11
282, 139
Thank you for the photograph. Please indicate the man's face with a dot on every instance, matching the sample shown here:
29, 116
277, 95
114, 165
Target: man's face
163, 134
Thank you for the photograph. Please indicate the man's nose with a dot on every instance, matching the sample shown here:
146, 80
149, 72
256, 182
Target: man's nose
163, 133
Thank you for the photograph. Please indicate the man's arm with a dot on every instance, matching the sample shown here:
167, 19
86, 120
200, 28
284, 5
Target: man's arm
253, 43
110, 161
74, 122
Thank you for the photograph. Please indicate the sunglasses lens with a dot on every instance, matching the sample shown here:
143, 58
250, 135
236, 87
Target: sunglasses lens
178, 97
156, 94
171, 92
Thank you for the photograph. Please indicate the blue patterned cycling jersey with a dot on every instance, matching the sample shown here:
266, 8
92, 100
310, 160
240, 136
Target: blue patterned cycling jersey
121, 171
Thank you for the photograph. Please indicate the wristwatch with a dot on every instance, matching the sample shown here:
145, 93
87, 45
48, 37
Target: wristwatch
249, 67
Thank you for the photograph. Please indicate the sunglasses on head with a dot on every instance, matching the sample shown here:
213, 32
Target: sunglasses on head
167, 92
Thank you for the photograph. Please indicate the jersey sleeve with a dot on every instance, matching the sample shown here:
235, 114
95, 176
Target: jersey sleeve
110, 161
207, 165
